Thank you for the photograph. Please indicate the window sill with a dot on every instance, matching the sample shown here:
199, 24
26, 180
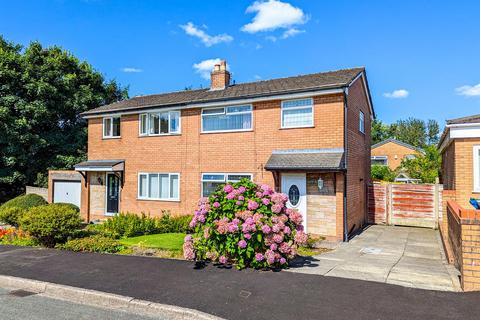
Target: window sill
111, 138
225, 131
160, 200
159, 135
301, 127
476, 191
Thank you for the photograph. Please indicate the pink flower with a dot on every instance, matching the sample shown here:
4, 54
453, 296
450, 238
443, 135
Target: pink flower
247, 236
301, 237
216, 204
270, 255
284, 248
266, 189
238, 203
279, 197
276, 228
283, 260
278, 238
222, 259
242, 189
244, 215
259, 257
206, 233
257, 217
188, 237
228, 188
188, 249
287, 230
277, 208
266, 229
273, 247
193, 223
265, 201
241, 198
258, 194
252, 205
242, 244
296, 217
231, 196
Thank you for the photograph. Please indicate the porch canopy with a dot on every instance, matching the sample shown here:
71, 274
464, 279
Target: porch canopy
115, 166
306, 160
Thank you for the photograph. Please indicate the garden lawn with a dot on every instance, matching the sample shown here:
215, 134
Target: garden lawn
165, 241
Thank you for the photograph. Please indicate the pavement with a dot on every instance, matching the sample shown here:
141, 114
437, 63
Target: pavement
233, 294
406, 256
17, 304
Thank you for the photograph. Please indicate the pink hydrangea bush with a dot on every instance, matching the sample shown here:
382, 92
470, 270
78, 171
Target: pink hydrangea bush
245, 224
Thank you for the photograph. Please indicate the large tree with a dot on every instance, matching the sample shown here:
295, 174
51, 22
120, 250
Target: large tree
42, 93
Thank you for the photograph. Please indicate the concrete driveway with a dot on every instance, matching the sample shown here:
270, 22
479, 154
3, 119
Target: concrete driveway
406, 256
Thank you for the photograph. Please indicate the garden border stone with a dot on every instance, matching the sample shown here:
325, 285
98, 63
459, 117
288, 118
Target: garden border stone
102, 299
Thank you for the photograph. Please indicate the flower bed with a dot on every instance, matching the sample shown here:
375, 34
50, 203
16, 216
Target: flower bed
246, 224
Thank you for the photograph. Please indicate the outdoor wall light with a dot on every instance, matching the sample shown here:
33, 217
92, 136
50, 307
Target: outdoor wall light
320, 184
100, 181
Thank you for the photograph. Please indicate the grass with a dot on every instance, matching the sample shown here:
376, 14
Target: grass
308, 252
164, 241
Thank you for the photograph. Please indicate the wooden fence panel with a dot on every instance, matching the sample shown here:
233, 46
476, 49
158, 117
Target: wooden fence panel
377, 204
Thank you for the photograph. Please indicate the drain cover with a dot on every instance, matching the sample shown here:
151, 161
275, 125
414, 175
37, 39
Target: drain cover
21, 293
245, 294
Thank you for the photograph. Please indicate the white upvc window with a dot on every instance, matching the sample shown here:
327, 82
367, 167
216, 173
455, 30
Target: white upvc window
159, 123
159, 186
226, 119
476, 168
211, 181
297, 113
379, 160
111, 127
361, 123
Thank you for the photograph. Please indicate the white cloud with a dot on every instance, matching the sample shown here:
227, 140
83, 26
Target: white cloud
397, 94
131, 70
207, 39
205, 67
273, 14
469, 91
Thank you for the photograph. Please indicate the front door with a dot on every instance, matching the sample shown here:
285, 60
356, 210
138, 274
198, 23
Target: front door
294, 185
113, 192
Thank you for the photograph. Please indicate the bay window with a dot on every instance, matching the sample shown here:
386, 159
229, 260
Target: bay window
211, 181
234, 118
297, 113
159, 186
159, 123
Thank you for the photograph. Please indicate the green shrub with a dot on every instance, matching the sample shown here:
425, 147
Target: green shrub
11, 215
12, 210
177, 224
70, 205
383, 173
95, 243
25, 202
51, 224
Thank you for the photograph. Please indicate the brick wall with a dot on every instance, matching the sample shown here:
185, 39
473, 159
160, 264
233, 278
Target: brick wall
394, 152
358, 156
193, 152
447, 176
464, 240
43, 192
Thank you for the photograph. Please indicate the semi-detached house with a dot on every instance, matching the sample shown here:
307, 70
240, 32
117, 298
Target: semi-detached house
307, 136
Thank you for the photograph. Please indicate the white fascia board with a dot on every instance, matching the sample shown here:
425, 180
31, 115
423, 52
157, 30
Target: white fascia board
465, 131
299, 95
100, 169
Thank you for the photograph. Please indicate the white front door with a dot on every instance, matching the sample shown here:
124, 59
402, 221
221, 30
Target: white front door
294, 185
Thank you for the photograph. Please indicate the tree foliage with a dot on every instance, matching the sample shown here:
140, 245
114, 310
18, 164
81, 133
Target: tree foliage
425, 167
413, 131
382, 173
42, 93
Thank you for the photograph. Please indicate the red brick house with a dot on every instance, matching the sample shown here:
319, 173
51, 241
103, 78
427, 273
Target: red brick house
391, 152
308, 136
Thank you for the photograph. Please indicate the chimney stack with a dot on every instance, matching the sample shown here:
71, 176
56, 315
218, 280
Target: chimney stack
220, 77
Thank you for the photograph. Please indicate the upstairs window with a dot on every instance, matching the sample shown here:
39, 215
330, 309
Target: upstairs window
361, 124
297, 113
379, 160
211, 181
234, 118
159, 123
476, 168
111, 127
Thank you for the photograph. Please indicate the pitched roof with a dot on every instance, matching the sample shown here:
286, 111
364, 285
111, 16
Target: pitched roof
469, 119
301, 83
406, 145
310, 159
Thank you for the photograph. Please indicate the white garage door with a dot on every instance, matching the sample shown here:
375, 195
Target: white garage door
67, 192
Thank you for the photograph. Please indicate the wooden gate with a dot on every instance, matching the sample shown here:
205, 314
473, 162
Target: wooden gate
416, 205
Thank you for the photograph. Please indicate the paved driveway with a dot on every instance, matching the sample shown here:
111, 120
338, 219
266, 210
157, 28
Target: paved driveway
411, 257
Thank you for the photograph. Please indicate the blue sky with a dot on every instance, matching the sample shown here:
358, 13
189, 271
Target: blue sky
421, 56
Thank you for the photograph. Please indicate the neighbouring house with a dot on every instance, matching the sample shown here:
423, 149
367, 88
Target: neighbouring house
308, 136
391, 152
460, 226
460, 149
